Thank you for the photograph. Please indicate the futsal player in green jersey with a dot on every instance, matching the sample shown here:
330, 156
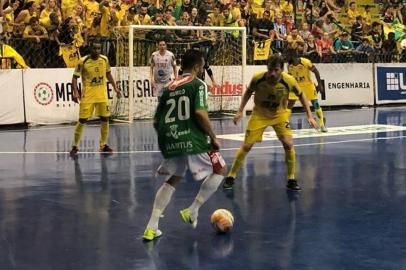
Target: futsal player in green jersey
187, 141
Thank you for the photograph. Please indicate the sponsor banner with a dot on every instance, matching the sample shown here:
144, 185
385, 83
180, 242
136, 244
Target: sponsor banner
48, 96
12, 101
312, 133
390, 86
48, 92
346, 84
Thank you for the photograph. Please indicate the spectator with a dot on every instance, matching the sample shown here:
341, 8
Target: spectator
295, 41
403, 50
344, 47
287, 8
194, 17
310, 50
317, 29
366, 16
280, 34
168, 17
217, 17
35, 31
263, 28
376, 36
184, 34
325, 48
389, 48
329, 26
364, 51
143, 16
9, 22
304, 31
352, 13
91, 10
357, 30
230, 21
23, 18
45, 19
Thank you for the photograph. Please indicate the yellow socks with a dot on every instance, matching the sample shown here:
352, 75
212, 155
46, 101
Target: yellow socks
104, 132
78, 133
290, 160
238, 161
319, 113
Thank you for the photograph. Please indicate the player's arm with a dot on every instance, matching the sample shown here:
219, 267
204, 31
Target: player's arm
113, 83
318, 78
245, 98
202, 116
210, 73
174, 67
305, 104
158, 113
151, 72
76, 74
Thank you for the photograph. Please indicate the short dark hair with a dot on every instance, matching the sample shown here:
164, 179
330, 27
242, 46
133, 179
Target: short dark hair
191, 58
275, 60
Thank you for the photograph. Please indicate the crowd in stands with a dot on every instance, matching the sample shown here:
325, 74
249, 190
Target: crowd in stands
54, 33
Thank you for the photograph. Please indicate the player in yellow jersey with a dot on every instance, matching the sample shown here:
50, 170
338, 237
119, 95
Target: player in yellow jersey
94, 70
300, 68
271, 88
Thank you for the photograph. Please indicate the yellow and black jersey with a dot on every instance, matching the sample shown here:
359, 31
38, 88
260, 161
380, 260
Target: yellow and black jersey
93, 73
271, 100
301, 72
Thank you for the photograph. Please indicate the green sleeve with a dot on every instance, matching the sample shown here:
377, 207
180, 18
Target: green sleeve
200, 98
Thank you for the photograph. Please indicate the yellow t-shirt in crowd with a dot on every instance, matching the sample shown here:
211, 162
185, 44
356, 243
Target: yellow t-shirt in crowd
70, 55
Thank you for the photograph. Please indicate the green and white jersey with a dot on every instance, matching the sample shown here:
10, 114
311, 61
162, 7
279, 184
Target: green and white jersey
179, 132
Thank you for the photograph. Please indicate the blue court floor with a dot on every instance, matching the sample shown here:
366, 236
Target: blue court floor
57, 213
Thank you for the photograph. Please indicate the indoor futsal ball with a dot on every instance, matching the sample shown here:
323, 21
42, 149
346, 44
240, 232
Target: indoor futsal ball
222, 220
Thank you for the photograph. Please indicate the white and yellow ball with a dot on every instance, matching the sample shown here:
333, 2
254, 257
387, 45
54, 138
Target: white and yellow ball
222, 220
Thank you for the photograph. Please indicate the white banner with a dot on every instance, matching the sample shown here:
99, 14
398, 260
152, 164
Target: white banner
12, 101
48, 96
390, 86
347, 84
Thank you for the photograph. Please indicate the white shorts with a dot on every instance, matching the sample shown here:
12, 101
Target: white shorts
159, 87
200, 165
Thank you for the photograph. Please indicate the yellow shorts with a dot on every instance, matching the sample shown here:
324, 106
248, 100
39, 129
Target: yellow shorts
101, 109
309, 91
257, 125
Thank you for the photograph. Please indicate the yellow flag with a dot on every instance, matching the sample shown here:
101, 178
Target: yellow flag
262, 50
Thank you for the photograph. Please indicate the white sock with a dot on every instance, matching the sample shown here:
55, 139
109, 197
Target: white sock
208, 187
162, 199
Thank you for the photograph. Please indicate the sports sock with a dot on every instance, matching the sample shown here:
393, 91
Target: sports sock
104, 132
208, 187
78, 133
290, 160
319, 114
238, 161
162, 199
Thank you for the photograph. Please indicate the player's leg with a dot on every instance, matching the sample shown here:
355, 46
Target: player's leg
319, 113
174, 169
212, 168
291, 102
284, 133
255, 128
102, 110
85, 111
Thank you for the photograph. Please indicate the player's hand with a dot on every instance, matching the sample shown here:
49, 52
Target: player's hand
215, 144
313, 123
118, 94
320, 89
237, 117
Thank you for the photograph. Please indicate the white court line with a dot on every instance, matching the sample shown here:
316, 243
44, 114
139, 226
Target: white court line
225, 149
